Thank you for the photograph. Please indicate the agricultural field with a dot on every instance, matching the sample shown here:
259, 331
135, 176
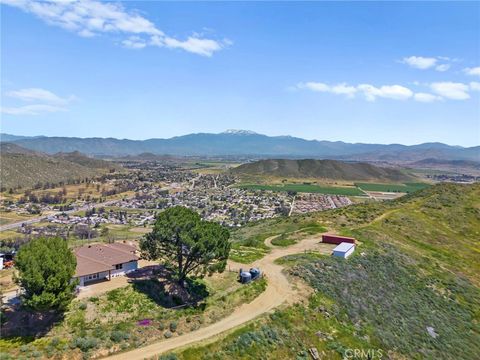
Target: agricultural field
130, 317
401, 188
307, 188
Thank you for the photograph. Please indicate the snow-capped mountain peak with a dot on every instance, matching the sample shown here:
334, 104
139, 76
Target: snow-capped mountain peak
240, 132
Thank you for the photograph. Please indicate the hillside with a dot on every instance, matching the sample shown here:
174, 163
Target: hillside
453, 165
320, 169
246, 143
81, 159
412, 289
11, 148
24, 168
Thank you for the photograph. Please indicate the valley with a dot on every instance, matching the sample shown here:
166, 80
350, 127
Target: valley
276, 225
239, 180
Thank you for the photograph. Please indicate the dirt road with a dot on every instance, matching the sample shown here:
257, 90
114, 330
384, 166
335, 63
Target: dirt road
279, 291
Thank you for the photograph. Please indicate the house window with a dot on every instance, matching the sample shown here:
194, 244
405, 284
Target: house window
118, 266
92, 277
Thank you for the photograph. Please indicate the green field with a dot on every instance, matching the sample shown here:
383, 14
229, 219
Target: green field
406, 188
307, 188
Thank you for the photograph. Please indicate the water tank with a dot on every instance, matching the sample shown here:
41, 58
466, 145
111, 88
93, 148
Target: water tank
255, 273
245, 277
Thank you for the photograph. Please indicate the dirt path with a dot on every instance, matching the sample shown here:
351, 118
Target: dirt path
279, 291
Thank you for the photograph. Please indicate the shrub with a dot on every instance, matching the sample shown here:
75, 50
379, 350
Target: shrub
5, 356
84, 343
25, 348
168, 357
55, 342
168, 334
117, 336
173, 326
82, 306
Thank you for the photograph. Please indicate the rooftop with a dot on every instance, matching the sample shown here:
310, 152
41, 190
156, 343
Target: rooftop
96, 258
344, 247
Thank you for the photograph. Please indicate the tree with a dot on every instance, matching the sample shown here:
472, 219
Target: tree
190, 245
45, 267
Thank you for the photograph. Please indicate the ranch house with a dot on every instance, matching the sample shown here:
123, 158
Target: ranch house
103, 261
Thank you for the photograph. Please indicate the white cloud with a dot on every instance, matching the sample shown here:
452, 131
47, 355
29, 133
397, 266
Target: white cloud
396, 92
194, 44
344, 89
371, 93
314, 86
89, 18
451, 90
442, 67
339, 89
423, 63
420, 62
440, 91
475, 86
472, 71
426, 98
35, 109
134, 42
38, 94
45, 102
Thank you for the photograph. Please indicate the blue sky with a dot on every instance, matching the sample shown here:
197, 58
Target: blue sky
372, 72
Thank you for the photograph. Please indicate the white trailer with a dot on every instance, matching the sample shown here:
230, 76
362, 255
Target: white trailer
344, 250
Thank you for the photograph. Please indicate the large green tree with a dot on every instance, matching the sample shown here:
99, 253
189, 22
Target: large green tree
190, 245
45, 267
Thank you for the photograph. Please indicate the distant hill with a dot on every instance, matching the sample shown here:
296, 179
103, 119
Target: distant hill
12, 148
435, 163
24, 168
148, 157
321, 169
246, 143
81, 159
9, 137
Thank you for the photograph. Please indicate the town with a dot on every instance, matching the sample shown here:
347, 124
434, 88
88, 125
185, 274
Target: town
134, 199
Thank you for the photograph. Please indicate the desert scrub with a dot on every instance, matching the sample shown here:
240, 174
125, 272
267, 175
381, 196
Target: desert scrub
84, 343
245, 254
173, 326
401, 304
283, 240
118, 336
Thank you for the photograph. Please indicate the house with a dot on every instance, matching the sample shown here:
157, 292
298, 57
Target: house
344, 250
336, 239
104, 261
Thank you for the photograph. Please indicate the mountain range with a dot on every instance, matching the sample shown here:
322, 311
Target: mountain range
245, 143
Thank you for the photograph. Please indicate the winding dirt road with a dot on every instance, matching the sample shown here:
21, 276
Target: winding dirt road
279, 291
